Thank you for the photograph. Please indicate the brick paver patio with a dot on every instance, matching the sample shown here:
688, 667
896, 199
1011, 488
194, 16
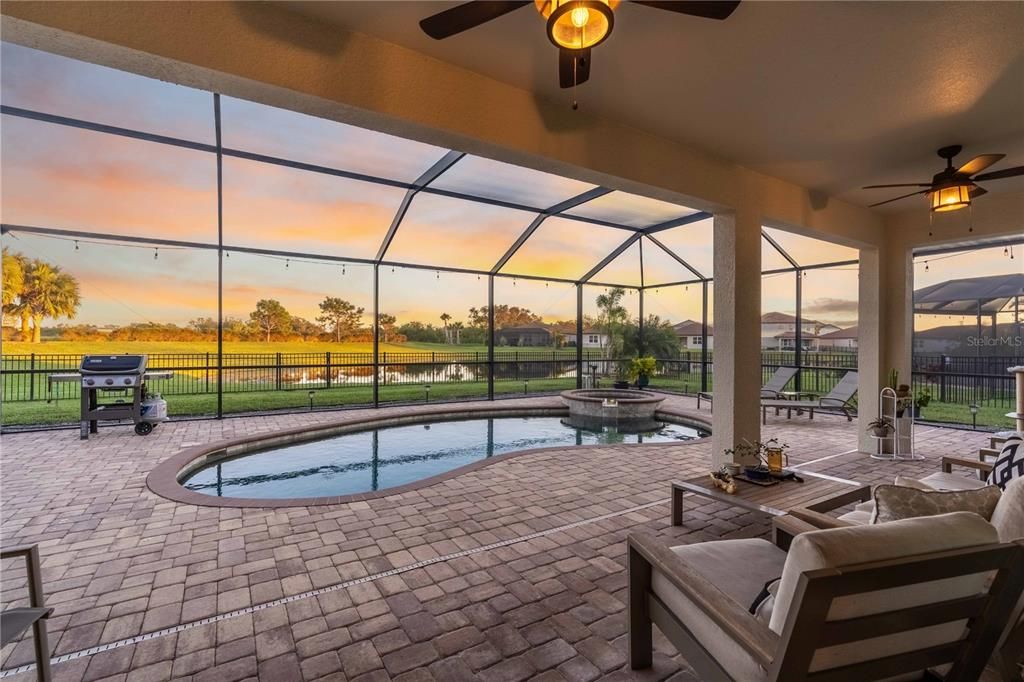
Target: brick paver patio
535, 589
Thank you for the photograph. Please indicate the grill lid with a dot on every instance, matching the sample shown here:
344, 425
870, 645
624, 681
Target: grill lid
113, 364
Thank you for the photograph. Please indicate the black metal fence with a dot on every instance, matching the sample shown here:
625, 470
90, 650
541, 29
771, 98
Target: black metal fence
965, 380
27, 377
24, 379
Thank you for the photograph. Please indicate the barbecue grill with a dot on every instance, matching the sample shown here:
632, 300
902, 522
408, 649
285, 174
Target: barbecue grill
108, 373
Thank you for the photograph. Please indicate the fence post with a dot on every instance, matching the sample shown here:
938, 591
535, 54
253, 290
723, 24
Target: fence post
32, 377
328, 369
207, 372
277, 372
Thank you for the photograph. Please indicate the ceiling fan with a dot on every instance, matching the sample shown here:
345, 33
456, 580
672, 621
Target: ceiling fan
573, 26
955, 188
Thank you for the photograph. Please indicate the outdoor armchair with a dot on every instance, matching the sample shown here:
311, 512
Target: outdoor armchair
16, 620
1010, 649
853, 604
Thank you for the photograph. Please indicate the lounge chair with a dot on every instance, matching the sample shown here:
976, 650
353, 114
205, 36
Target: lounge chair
772, 389
837, 399
853, 604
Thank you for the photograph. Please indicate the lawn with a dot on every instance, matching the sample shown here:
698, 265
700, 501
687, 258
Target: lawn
67, 410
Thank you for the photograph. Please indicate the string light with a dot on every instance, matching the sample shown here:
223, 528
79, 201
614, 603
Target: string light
287, 263
342, 269
926, 266
156, 253
76, 245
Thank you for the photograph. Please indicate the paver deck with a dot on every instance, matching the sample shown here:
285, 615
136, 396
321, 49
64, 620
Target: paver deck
510, 571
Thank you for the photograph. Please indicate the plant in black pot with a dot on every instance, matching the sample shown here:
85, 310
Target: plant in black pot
880, 428
641, 369
760, 459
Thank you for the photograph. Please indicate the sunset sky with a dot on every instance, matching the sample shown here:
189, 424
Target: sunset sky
60, 177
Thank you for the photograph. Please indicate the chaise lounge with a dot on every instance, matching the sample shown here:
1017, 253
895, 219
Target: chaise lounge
838, 399
772, 389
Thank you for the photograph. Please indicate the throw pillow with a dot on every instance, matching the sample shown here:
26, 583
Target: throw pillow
1009, 464
893, 503
1008, 518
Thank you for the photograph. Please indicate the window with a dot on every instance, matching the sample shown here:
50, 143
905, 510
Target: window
697, 341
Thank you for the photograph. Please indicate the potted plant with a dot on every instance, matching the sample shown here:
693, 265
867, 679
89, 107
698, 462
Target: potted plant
641, 369
755, 457
880, 428
921, 400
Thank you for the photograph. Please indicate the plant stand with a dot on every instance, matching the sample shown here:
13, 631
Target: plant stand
900, 442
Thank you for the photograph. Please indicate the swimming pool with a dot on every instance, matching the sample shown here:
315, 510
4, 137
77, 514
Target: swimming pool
383, 458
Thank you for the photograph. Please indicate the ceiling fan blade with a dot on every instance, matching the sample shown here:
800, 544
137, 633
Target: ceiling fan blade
573, 67
979, 163
466, 16
905, 184
889, 201
977, 192
709, 9
1005, 173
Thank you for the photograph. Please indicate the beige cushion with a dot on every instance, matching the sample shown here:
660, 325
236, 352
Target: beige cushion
1008, 517
739, 568
893, 502
854, 545
1008, 520
858, 517
908, 482
940, 480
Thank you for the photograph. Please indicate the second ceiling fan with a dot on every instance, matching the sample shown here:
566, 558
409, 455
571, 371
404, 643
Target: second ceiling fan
573, 26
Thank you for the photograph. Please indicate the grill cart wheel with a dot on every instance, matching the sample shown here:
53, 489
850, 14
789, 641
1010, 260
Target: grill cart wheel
143, 428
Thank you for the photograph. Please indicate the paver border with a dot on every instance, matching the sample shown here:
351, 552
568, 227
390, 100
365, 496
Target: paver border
163, 480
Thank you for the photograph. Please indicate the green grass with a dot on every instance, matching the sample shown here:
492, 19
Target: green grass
67, 411
952, 413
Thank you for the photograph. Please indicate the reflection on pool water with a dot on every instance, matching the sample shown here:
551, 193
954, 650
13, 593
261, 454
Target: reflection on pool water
388, 457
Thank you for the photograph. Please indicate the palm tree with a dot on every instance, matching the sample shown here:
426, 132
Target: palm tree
48, 293
13, 277
612, 318
14, 266
445, 317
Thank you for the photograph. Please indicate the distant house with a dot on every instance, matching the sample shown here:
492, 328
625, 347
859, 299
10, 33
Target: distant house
787, 341
533, 335
844, 339
778, 331
593, 338
690, 335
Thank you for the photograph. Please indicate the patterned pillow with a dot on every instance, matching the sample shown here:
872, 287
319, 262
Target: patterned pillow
1009, 464
893, 503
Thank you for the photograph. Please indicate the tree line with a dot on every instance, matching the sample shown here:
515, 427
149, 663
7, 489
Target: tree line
34, 290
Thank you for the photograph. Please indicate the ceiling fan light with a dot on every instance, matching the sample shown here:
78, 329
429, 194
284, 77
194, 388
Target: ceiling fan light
951, 198
578, 24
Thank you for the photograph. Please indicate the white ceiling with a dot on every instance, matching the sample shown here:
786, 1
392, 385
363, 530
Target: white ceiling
830, 95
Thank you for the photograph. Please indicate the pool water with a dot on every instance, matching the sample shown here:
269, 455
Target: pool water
388, 457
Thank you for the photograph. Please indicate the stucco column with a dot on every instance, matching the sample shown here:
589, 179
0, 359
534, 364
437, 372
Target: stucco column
898, 306
871, 351
737, 306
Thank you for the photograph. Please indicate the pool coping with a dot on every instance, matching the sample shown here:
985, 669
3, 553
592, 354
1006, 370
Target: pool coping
163, 479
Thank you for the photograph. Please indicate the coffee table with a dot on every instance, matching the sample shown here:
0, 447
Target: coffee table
818, 492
